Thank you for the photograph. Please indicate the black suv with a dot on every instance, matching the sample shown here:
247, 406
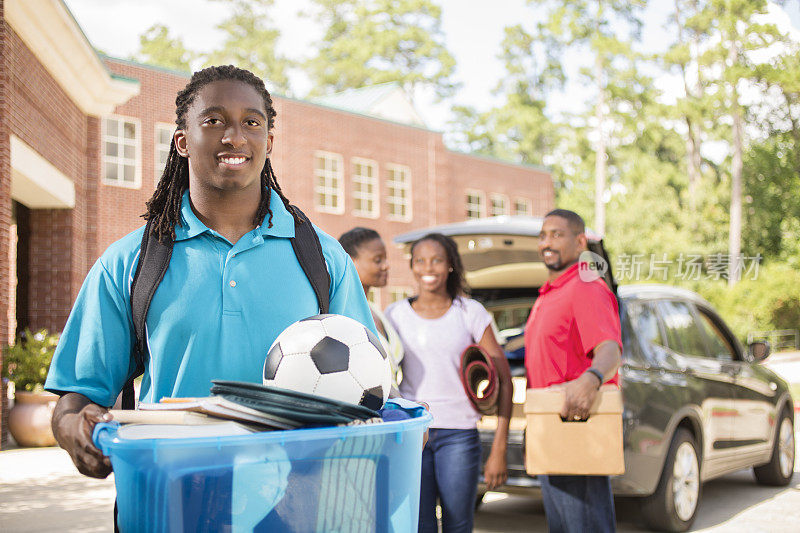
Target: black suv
697, 405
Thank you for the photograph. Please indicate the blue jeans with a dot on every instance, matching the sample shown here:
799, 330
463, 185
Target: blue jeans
451, 462
578, 503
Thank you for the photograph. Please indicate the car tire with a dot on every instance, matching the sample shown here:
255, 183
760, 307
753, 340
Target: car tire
780, 468
673, 506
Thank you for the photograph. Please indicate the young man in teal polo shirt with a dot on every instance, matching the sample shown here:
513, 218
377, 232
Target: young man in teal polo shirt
233, 282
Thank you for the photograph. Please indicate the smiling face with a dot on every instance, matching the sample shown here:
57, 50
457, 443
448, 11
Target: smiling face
559, 244
371, 263
226, 139
430, 266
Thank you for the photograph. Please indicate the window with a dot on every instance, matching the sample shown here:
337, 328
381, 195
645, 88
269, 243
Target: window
522, 206
163, 142
398, 293
365, 188
498, 205
474, 204
683, 333
374, 296
720, 347
328, 183
121, 152
398, 192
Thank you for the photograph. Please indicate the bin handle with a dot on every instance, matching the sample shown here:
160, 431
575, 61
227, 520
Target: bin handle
103, 434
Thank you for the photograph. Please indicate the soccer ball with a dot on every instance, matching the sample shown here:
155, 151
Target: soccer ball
332, 356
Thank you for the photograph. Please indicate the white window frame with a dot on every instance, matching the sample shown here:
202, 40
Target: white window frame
374, 296
393, 184
157, 146
137, 162
326, 189
358, 180
481, 207
502, 198
399, 293
528, 204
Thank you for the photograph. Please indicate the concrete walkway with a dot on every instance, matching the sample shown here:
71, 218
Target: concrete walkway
40, 490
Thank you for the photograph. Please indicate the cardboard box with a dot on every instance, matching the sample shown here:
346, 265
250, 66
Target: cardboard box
591, 447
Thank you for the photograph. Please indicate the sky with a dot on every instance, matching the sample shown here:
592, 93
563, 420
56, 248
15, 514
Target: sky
473, 31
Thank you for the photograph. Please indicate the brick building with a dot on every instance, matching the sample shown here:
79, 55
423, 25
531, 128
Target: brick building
83, 139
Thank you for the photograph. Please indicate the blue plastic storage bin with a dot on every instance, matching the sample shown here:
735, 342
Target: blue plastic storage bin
348, 479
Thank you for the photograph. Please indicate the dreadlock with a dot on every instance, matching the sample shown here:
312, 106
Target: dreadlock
164, 207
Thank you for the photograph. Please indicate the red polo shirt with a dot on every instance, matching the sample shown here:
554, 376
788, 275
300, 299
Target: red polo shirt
568, 320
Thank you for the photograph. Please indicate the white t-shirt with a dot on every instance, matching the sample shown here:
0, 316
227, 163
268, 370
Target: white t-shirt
432, 360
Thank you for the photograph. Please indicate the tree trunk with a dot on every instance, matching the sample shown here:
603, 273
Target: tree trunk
600, 152
735, 236
693, 130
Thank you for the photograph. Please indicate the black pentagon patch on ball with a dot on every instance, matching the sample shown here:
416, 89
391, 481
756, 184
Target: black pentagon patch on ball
375, 342
372, 398
273, 361
330, 355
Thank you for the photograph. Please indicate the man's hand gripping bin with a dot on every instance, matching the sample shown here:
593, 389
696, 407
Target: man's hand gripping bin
592, 447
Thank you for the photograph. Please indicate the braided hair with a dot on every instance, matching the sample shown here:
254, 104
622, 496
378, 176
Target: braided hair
164, 207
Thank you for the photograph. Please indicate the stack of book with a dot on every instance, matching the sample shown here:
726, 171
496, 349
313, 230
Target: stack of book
237, 408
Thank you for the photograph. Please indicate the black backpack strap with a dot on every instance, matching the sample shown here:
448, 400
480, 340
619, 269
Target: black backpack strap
154, 257
308, 250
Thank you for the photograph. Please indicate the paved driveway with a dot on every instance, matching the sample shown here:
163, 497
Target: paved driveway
733, 503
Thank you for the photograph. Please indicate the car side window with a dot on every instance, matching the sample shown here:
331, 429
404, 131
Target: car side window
720, 347
643, 320
683, 332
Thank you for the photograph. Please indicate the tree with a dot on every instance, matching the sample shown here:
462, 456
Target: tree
518, 129
692, 29
157, 47
593, 26
251, 43
367, 42
739, 35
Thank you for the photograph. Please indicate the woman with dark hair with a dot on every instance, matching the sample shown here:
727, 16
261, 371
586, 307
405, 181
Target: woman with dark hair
435, 327
365, 247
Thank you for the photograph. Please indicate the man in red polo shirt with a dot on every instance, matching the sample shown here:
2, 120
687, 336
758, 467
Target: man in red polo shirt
573, 337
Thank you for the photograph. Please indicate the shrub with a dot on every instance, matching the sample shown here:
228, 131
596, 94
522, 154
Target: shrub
770, 302
27, 361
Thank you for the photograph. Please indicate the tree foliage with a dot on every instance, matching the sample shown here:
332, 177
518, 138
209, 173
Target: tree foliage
367, 42
157, 47
252, 43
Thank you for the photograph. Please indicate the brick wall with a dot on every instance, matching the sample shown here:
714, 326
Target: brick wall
495, 177
119, 208
42, 115
5, 177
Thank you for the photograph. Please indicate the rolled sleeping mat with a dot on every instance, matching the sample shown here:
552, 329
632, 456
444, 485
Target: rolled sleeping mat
477, 368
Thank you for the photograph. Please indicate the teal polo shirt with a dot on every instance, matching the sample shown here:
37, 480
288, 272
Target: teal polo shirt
214, 316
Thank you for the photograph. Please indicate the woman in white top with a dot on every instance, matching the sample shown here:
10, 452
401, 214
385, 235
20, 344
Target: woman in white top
435, 327
365, 247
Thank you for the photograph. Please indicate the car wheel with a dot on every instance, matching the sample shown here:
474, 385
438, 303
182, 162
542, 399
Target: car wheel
778, 471
674, 504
